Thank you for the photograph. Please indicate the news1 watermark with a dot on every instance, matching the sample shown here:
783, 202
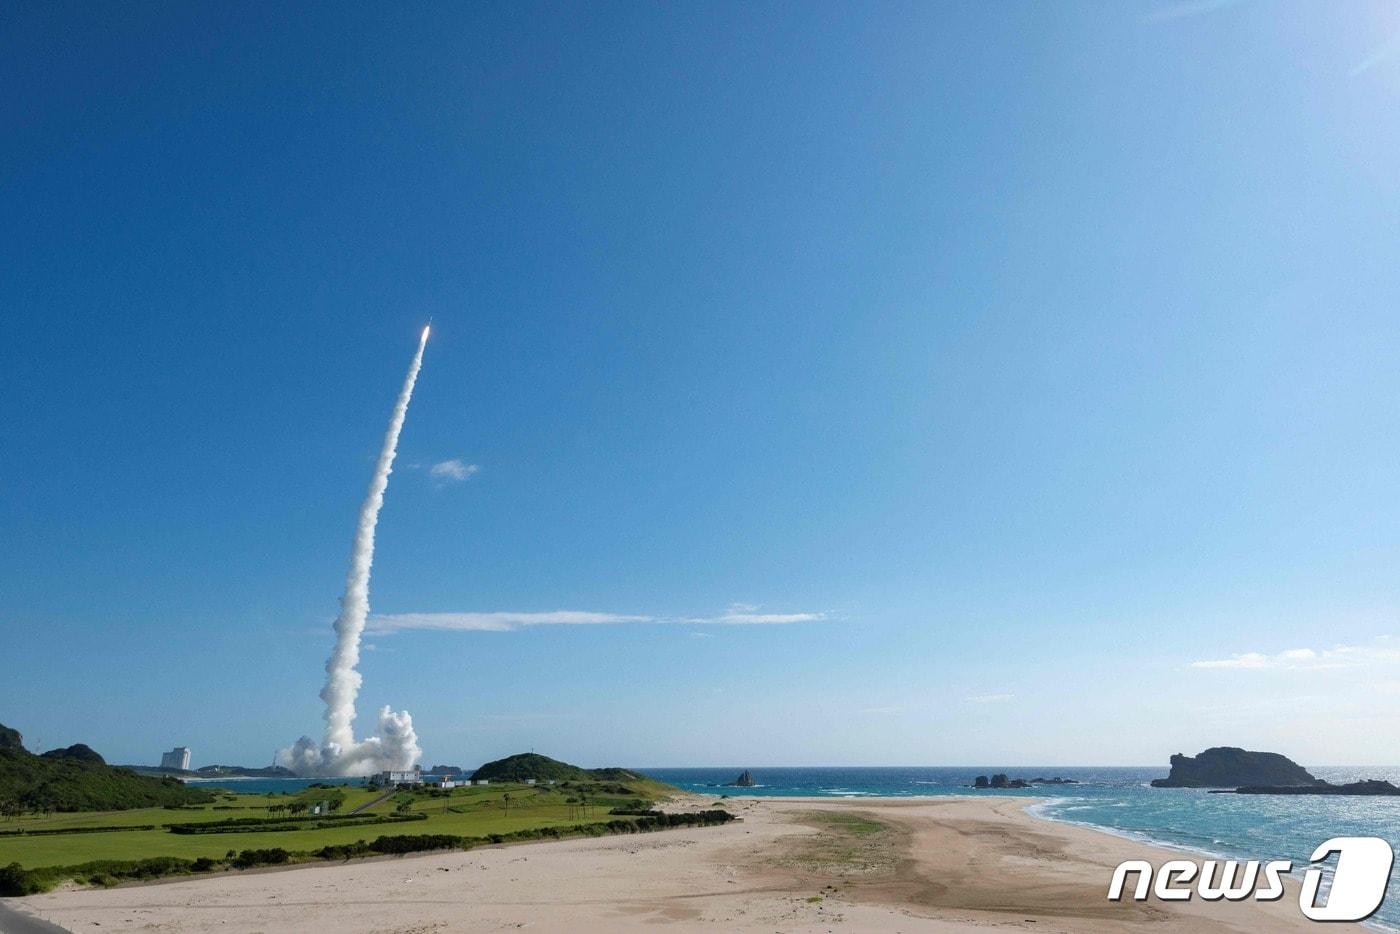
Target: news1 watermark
1359, 880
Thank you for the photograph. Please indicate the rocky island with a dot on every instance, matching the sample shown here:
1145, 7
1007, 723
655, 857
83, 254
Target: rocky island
1232, 767
1000, 780
745, 780
1257, 773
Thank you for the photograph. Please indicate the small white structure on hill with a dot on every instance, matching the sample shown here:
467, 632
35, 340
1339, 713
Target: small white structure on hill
177, 758
444, 781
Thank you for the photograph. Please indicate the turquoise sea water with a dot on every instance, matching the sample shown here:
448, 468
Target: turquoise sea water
1119, 800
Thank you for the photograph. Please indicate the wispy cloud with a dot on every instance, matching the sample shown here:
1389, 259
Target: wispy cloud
730, 618
1381, 54
1339, 656
1186, 9
453, 471
495, 622
883, 711
991, 698
505, 621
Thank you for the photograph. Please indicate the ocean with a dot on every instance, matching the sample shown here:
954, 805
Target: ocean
1118, 800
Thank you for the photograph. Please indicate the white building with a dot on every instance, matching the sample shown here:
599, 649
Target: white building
177, 758
413, 776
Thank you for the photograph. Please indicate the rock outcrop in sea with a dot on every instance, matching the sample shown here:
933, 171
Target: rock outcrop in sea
1371, 786
1232, 767
1000, 780
745, 780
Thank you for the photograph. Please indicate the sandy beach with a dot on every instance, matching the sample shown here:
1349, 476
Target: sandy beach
791, 865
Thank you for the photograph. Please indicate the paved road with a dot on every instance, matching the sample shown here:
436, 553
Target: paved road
369, 804
13, 921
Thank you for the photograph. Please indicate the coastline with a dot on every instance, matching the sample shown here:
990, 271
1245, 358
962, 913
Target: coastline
1141, 838
944, 863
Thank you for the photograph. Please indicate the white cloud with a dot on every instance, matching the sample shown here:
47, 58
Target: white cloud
991, 698
494, 622
1339, 656
453, 471
510, 621
731, 618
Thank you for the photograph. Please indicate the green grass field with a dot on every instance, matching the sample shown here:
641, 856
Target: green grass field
474, 812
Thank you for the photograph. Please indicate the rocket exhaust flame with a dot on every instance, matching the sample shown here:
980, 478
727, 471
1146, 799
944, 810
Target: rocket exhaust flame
394, 744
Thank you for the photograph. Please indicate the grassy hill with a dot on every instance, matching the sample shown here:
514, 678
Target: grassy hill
77, 779
528, 765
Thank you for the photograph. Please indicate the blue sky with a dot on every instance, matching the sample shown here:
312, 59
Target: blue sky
1039, 359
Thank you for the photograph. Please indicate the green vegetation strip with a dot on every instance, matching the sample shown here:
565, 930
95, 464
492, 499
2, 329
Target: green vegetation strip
54, 831
16, 880
258, 825
855, 824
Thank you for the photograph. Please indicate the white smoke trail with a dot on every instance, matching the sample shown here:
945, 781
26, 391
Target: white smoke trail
395, 744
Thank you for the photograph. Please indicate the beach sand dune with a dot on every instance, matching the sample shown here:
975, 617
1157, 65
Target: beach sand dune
791, 865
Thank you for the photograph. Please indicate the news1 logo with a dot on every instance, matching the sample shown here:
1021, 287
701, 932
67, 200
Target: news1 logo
1358, 882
